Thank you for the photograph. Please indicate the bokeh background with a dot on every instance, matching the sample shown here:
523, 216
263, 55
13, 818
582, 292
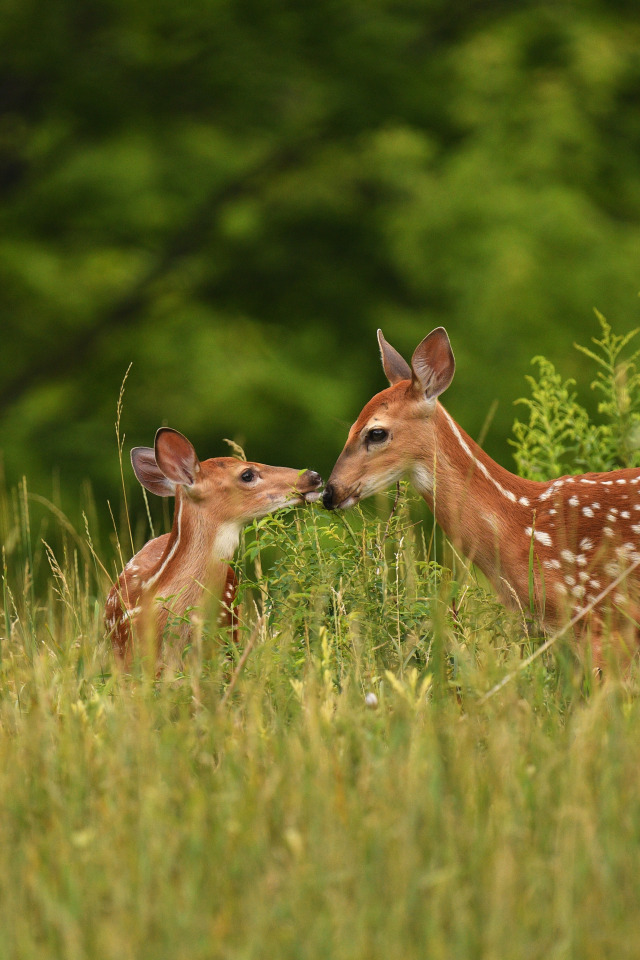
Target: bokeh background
232, 195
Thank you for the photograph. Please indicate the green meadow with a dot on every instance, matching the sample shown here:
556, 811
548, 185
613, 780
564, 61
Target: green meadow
383, 766
387, 764
338, 785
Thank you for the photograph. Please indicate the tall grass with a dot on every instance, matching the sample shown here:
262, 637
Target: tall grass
343, 789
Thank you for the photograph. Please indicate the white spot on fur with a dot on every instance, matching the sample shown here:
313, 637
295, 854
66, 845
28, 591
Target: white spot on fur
587, 511
586, 544
567, 556
492, 521
539, 535
574, 502
551, 489
625, 548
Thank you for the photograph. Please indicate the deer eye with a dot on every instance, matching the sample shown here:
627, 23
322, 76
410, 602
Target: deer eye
377, 435
247, 476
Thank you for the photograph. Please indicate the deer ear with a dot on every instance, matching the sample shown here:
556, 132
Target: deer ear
433, 364
176, 457
143, 460
395, 367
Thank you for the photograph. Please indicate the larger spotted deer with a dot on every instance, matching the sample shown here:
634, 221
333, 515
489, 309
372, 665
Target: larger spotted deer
162, 587
568, 545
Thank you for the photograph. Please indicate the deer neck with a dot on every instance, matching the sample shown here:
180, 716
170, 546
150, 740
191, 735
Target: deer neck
199, 546
474, 500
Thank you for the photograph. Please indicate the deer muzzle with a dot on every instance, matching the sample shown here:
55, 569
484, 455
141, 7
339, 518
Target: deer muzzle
309, 483
333, 498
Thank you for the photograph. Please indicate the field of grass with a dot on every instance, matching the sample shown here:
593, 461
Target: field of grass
337, 786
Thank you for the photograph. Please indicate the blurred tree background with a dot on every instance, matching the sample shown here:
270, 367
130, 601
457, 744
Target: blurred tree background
232, 195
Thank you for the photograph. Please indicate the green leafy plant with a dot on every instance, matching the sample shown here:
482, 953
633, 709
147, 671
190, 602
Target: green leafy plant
560, 436
366, 583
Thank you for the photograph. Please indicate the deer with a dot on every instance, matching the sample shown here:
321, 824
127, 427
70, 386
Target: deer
160, 591
567, 548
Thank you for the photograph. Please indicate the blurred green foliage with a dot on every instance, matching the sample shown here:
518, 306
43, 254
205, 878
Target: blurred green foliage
234, 195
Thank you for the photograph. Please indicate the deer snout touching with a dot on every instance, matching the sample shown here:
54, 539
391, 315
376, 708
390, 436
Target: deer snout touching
334, 499
328, 501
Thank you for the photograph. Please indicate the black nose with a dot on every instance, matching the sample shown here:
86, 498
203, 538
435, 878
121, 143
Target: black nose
327, 497
314, 478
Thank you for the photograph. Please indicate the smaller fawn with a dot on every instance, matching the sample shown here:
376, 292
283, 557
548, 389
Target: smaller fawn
158, 590
561, 546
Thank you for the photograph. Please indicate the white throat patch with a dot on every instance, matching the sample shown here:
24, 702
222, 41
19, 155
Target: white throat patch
422, 478
226, 541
